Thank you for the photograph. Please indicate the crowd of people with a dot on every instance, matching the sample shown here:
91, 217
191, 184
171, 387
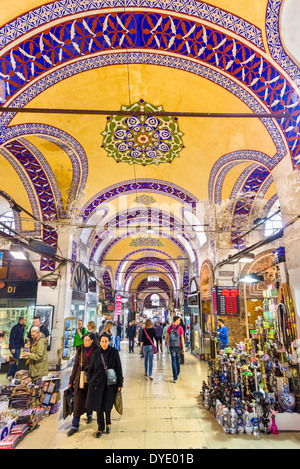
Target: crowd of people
97, 354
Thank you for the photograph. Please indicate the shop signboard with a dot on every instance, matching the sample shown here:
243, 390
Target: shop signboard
18, 290
118, 306
225, 301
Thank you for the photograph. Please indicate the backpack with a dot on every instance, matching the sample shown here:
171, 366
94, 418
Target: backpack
174, 337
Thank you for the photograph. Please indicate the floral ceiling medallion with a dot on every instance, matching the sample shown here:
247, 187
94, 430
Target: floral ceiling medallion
144, 200
142, 139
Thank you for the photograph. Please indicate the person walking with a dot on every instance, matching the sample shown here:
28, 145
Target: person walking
16, 343
82, 362
140, 338
100, 396
131, 333
38, 355
159, 330
92, 329
101, 327
148, 337
222, 334
108, 330
118, 336
79, 334
175, 335
165, 333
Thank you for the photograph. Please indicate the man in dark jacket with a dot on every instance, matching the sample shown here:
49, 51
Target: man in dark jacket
16, 342
131, 333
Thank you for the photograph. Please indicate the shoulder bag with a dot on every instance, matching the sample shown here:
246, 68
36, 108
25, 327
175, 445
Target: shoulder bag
111, 374
83, 378
118, 403
154, 346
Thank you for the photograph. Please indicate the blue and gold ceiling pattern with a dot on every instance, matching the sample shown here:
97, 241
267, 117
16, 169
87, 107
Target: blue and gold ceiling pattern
44, 47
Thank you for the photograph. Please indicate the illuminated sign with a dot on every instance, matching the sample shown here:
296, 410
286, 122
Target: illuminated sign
225, 301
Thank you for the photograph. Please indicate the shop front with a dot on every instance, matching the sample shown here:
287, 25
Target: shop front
194, 307
18, 291
253, 385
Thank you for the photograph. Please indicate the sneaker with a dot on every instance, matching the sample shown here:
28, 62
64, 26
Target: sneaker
174, 380
9, 378
72, 431
150, 377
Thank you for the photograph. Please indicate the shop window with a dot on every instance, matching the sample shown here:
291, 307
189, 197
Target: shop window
153, 279
154, 300
275, 224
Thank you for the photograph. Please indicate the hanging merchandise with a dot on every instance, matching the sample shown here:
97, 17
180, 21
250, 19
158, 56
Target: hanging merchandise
248, 385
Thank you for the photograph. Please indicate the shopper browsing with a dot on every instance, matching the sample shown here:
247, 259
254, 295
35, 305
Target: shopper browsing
38, 355
101, 396
82, 363
222, 334
175, 336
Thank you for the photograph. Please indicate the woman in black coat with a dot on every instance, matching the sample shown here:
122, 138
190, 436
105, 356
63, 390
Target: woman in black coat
82, 362
100, 396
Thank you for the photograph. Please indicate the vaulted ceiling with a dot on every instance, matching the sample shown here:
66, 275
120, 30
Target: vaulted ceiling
141, 186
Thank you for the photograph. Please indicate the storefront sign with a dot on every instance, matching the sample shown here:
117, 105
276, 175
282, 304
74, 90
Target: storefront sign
2, 285
118, 306
19, 290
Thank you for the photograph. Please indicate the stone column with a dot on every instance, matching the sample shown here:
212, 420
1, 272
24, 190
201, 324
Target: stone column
59, 294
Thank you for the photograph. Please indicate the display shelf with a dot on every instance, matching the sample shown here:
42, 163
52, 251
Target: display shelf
68, 338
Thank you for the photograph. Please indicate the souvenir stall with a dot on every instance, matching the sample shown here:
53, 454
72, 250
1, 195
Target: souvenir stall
23, 404
253, 387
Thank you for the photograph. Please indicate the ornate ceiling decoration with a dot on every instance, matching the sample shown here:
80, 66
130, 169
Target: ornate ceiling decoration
142, 139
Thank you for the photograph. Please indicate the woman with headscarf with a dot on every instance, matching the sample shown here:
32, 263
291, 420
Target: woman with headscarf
82, 362
101, 396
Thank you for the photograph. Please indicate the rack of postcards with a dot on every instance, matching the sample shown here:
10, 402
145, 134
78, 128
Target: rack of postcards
253, 388
23, 405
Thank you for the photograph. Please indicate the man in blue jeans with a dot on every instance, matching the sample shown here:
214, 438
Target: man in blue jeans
16, 342
175, 337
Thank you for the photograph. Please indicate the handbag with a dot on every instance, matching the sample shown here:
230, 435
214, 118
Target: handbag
82, 378
154, 346
111, 374
118, 403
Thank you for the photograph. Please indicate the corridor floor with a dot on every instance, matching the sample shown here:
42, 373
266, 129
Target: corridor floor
158, 414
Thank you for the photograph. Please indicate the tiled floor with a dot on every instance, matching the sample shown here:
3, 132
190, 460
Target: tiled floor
158, 415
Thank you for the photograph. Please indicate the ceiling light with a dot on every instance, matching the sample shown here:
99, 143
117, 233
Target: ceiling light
17, 252
251, 278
